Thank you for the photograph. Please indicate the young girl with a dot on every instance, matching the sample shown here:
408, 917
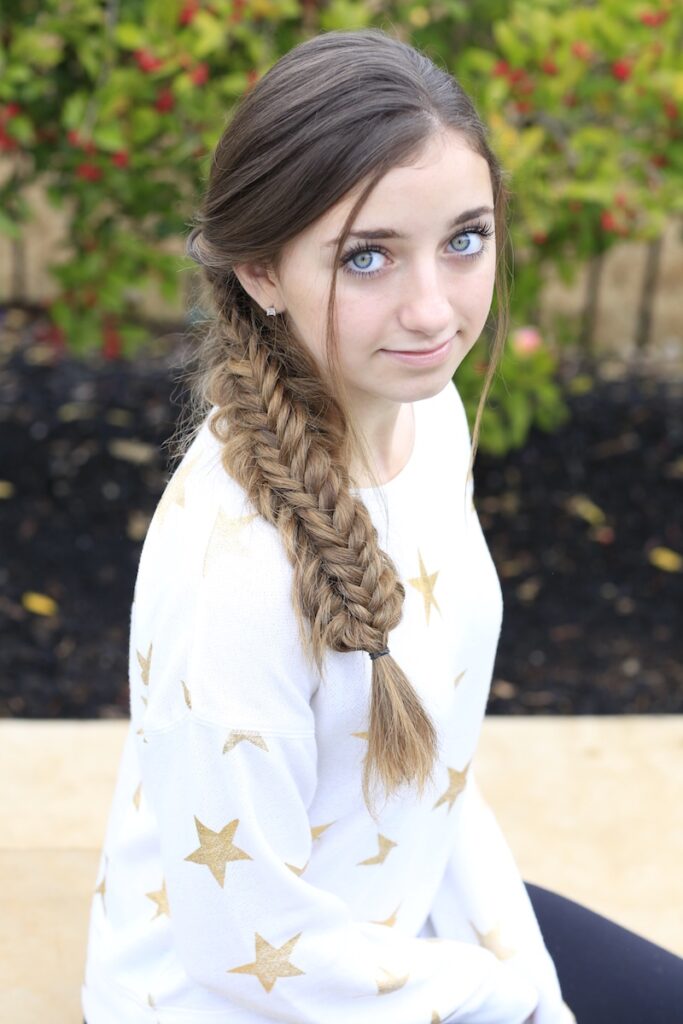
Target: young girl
297, 833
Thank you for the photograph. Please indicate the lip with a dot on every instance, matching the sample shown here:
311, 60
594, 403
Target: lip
421, 357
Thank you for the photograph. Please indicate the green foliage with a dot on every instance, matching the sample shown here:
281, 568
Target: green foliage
116, 107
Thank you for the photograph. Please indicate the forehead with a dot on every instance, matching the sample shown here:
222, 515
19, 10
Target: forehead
446, 178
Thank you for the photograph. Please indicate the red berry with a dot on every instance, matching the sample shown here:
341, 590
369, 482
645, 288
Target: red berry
621, 69
146, 61
111, 342
524, 106
89, 171
7, 143
608, 221
90, 148
539, 237
501, 68
200, 74
120, 158
670, 109
549, 66
252, 77
659, 159
581, 50
73, 137
11, 110
654, 18
188, 12
165, 101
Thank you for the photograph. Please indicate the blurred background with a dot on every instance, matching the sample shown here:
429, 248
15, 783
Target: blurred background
108, 114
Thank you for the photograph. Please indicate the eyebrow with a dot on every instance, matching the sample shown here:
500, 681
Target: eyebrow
376, 233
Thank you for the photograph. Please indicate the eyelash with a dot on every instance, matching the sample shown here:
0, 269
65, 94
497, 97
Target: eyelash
484, 230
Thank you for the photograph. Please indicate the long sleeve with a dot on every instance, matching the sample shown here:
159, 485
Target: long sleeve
483, 896
230, 782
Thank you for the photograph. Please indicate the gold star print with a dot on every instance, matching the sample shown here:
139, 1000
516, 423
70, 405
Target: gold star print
425, 584
186, 694
225, 530
217, 849
272, 962
361, 735
174, 493
390, 982
237, 737
385, 848
458, 678
141, 732
298, 871
145, 664
102, 887
492, 941
390, 921
161, 899
136, 797
456, 785
317, 830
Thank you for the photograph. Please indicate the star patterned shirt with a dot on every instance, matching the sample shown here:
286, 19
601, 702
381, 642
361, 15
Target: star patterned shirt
242, 877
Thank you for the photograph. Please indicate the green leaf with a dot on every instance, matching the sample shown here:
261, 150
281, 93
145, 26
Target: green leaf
8, 227
110, 137
73, 110
130, 36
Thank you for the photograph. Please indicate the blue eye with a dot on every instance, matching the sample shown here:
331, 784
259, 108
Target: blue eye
365, 250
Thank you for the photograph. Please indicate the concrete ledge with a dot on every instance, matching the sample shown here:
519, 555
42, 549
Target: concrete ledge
591, 807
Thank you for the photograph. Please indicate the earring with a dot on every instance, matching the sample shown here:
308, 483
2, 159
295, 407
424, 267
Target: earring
271, 311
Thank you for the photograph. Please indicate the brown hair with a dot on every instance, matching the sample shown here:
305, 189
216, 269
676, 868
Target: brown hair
335, 113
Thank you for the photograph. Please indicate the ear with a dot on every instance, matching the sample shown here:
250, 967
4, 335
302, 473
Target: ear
260, 281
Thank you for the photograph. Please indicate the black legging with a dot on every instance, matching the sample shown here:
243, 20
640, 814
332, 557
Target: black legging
608, 974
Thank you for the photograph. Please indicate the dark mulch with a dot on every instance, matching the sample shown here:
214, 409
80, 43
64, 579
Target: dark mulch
591, 624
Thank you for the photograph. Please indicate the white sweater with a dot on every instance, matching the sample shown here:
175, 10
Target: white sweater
242, 877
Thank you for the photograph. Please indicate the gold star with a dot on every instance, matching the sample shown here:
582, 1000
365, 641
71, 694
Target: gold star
425, 584
492, 941
456, 785
271, 963
141, 732
186, 694
237, 737
361, 735
225, 530
298, 871
390, 921
161, 899
317, 830
136, 797
458, 678
102, 887
435, 1017
174, 493
144, 700
390, 982
385, 847
145, 664
217, 849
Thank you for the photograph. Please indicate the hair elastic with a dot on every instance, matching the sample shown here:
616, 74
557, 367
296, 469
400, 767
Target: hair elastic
378, 654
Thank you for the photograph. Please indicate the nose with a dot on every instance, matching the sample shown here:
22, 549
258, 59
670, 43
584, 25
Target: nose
425, 307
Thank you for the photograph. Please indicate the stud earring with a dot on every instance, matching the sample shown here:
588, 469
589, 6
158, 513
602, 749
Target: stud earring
271, 311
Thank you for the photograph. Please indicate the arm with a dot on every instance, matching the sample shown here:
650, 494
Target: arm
230, 780
483, 893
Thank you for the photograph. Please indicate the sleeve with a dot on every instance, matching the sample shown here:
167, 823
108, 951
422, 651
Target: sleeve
483, 894
230, 793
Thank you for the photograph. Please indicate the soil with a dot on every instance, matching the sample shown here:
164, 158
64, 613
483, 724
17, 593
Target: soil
584, 527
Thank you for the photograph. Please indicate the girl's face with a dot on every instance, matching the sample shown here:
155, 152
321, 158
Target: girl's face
417, 273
